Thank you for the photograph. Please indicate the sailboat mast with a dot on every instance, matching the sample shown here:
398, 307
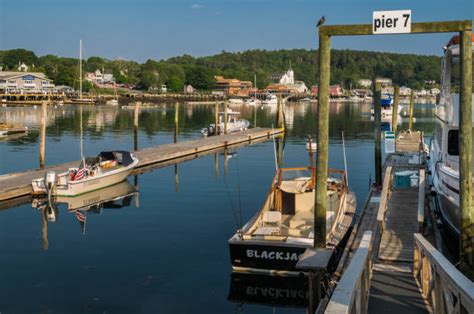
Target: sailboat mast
80, 122
80, 69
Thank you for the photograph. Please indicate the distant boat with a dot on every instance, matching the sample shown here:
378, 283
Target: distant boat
112, 102
234, 124
235, 101
386, 100
270, 100
93, 173
253, 102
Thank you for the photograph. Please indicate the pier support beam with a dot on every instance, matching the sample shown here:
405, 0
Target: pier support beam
322, 140
378, 132
44, 113
465, 157
396, 99
176, 121
225, 117
412, 104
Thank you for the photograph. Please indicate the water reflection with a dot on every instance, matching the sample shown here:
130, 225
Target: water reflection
82, 206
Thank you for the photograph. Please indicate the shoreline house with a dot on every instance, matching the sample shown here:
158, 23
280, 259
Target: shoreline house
24, 82
101, 79
334, 90
285, 83
232, 86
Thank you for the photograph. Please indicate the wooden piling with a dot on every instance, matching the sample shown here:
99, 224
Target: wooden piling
216, 129
412, 104
465, 157
378, 132
43, 133
322, 140
176, 121
396, 98
135, 125
225, 117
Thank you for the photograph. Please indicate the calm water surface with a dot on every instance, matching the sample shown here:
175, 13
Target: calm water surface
166, 250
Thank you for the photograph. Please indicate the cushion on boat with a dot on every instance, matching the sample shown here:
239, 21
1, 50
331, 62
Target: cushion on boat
271, 217
295, 186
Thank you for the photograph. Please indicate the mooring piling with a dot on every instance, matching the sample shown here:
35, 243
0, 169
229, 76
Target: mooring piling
216, 129
378, 132
465, 157
135, 125
44, 113
322, 140
396, 99
225, 117
176, 121
412, 104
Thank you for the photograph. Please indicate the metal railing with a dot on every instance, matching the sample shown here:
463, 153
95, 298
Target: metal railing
443, 285
352, 292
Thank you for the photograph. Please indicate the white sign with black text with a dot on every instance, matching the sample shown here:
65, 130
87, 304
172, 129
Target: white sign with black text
391, 22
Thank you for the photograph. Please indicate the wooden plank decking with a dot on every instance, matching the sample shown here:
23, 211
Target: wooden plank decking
19, 184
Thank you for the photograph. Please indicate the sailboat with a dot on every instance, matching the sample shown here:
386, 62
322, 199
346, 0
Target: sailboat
273, 241
254, 101
81, 99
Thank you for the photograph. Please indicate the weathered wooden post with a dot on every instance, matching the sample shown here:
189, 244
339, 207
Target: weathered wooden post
225, 117
396, 97
216, 164
465, 157
176, 121
322, 140
378, 131
135, 125
412, 104
280, 120
255, 116
216, 129
43, 133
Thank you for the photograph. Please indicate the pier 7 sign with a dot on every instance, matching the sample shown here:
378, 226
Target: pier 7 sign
391, 22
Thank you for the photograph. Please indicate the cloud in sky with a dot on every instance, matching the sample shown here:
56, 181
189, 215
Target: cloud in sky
196, 6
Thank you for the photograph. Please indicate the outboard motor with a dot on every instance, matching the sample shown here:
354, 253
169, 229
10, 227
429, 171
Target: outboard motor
50, 182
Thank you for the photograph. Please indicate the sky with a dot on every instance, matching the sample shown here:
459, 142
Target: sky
145, 29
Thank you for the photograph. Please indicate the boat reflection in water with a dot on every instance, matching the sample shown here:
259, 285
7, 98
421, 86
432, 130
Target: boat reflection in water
274, 291
116, 196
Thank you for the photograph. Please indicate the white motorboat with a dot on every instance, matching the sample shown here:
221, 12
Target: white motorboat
235, 101
93, 173
112, 102
253, 102
234, 124
270, 100
444, 146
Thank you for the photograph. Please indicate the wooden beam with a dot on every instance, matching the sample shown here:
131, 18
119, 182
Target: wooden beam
416, 28
396, 98
378, 131
321, 200
412, 105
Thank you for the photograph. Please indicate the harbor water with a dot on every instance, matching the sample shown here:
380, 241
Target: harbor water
164, 249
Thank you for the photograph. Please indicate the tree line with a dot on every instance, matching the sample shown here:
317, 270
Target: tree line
347, 67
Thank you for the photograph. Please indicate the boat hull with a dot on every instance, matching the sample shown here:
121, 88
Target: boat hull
265, 256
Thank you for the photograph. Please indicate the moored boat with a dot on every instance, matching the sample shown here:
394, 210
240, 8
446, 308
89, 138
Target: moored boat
275, 238
234, 123
270, 100
93, 173
444, 147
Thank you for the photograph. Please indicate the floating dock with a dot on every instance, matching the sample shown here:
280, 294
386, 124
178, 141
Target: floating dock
19, 184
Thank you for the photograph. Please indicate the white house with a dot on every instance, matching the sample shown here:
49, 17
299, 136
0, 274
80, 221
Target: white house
366, 83
12, 81
97, 77
284, 78
435, 91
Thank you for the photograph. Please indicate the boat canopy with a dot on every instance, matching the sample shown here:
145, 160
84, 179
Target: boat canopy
122, 157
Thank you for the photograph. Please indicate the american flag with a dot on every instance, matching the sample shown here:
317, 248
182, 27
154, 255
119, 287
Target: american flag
81, 217
81, 172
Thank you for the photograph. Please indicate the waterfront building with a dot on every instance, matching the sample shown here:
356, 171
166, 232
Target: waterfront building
99, 78
286, 78
24, 82
434, 91
384, 81
188, 89
334, 90
231, 86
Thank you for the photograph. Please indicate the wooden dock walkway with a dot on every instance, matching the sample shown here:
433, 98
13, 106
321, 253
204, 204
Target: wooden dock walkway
19, 184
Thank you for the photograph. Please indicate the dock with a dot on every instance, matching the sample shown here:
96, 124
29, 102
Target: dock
18, 184
389, 266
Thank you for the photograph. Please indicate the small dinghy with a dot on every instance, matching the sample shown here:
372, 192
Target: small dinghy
93, 173
234, 124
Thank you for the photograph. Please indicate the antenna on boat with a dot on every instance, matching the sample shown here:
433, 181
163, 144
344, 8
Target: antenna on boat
274, 149
345, 160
